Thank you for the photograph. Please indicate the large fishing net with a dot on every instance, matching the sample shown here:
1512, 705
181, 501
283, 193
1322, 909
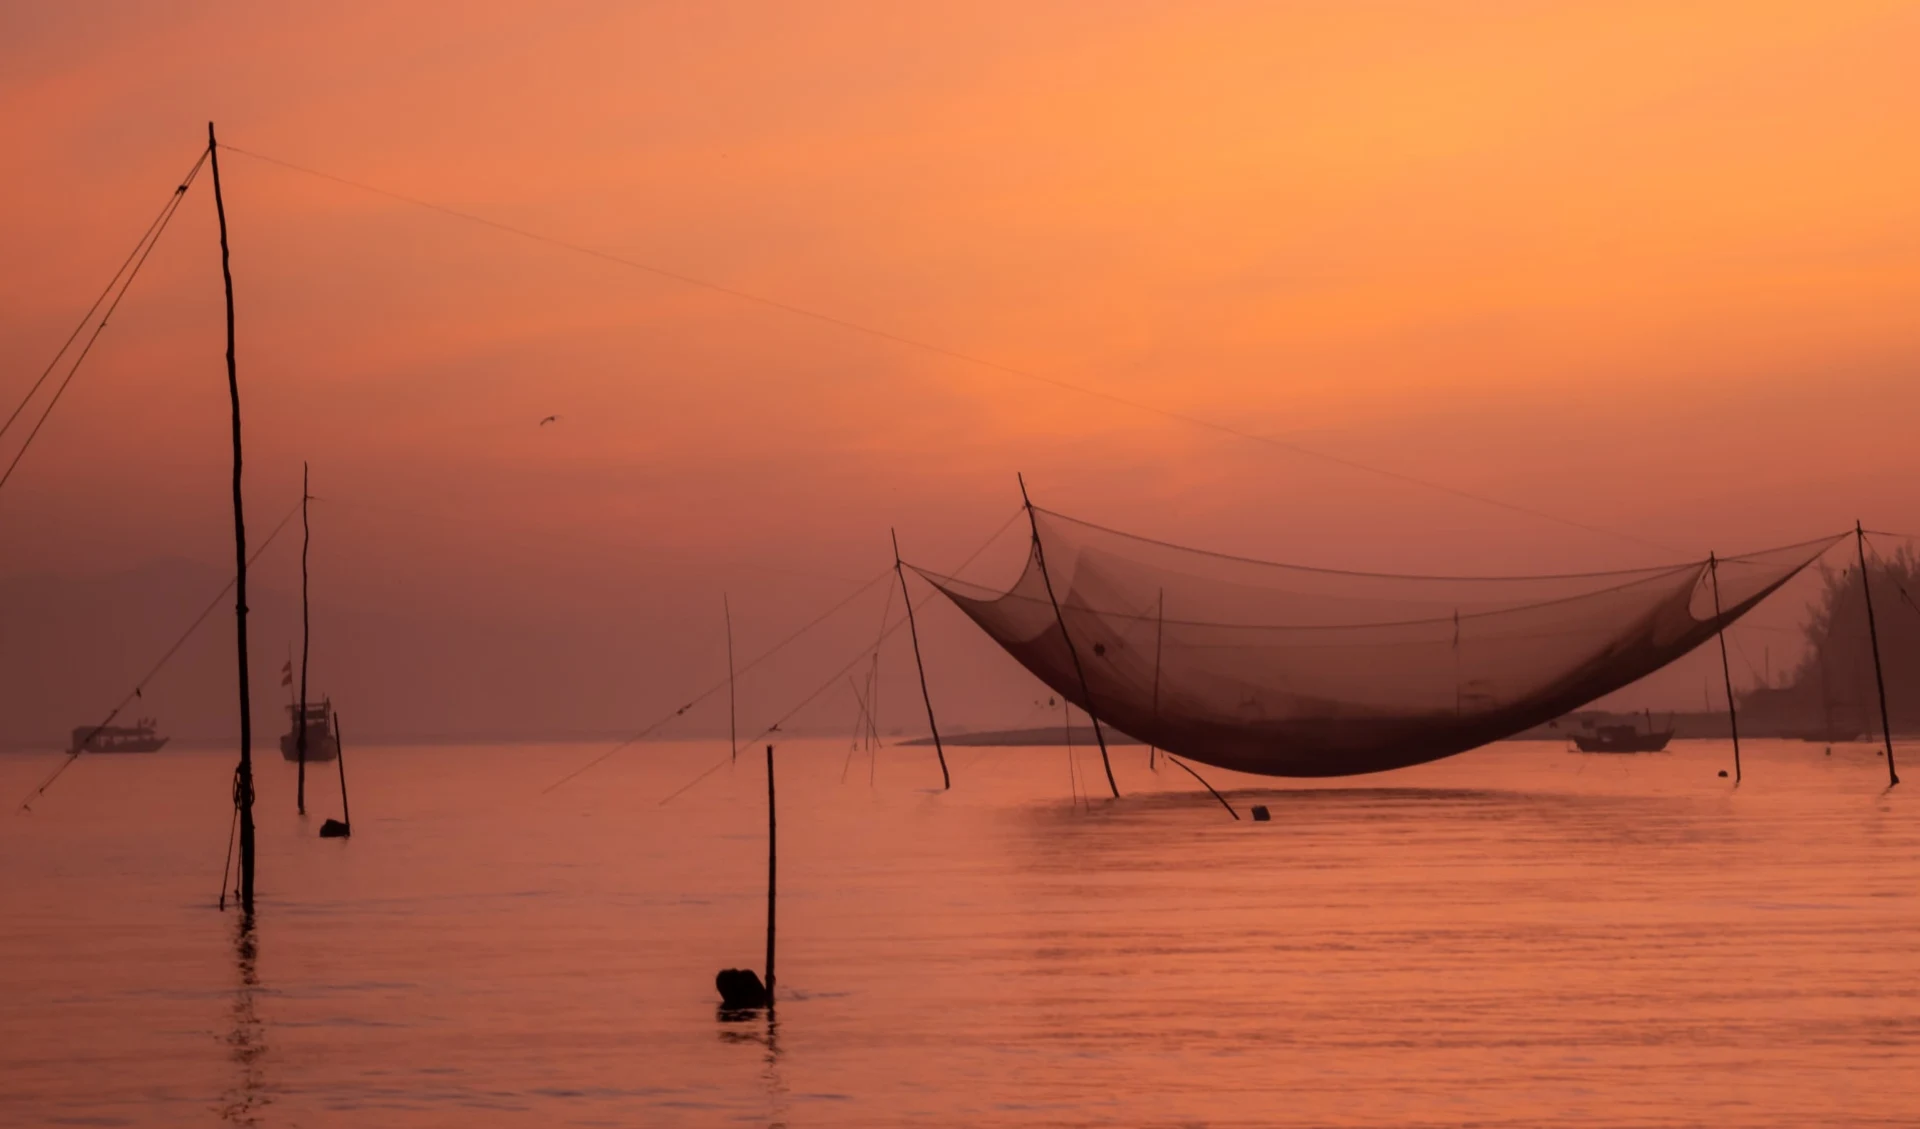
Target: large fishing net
1289, 671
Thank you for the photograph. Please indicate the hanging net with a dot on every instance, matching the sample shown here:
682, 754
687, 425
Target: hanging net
1289, 671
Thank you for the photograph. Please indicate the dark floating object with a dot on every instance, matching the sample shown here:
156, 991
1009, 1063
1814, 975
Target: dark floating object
740, 989
1260, 814
1723, 773
334, 829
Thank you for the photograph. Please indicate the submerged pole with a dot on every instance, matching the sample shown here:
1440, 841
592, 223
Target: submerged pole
1726, 670
1039, 555
733, 731
243, 781
306, 627
1873, 637
946, 780
773, 859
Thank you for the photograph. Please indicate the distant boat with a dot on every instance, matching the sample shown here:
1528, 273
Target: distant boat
136, 738
1624, 739
322, 744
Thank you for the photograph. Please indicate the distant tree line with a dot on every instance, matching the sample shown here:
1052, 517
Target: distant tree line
1832, 690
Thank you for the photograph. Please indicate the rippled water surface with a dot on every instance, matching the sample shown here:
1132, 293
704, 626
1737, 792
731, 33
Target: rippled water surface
1515, 937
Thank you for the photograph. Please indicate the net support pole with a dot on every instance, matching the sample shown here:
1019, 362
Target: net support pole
243, 784
773, 858
946, 780
1873, 638
1040, 555
1726, 669
1203, 783
733, 731
300, 723
1159, 627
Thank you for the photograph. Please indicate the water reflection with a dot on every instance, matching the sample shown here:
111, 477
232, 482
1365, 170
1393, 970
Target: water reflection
744, 1027
246, 1042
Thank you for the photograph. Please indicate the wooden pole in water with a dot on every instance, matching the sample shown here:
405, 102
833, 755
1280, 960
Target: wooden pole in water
340, 757
773, 858
1040, 556
1726, 669
1159, 626
1873, 636
733, 731
946, 781
243, 782
1204, 784
306, 627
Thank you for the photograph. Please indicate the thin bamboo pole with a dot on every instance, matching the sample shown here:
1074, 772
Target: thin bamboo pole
1873, 636
773, 860
306, 635
733, 732
1726, 669
1086, 691
243, 787
946, 780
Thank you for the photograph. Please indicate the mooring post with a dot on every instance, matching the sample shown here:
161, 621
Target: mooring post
1040, 557
243, 785
1873, 638
1726, 669
913, 631
773, 862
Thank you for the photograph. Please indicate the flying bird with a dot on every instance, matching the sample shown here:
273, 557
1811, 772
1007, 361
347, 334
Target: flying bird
549, 419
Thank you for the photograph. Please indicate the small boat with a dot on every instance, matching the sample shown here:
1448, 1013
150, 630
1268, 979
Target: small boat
1624, 739
136, 738
322, 744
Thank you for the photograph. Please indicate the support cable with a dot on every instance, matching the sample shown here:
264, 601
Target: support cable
166, 210
167, 215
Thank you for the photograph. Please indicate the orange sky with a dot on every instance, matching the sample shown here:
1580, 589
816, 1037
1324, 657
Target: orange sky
1654, 267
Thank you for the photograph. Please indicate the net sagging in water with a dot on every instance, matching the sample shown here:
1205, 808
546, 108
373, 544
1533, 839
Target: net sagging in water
1282, 670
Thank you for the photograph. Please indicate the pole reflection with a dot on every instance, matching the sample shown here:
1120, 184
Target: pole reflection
246, 1040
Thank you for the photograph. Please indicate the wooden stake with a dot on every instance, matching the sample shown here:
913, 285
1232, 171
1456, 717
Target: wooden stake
1159, 620
1873, 637
733, 732
1039, 555
340, 758
1204, 784
306, 627
243, 787
1726, 670
946, 781
773, 858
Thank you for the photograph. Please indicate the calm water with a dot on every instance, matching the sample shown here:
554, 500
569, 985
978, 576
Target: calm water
1516, 937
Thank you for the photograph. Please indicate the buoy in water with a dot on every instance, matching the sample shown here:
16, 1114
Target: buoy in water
740, 988
1260, 813
334, 829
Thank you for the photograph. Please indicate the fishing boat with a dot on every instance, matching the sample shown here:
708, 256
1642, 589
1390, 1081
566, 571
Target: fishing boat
139, 737
1624, 739
322, 744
